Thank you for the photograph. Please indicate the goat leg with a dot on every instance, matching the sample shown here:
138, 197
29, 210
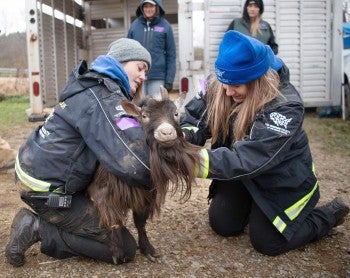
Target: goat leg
123, 245
145, 246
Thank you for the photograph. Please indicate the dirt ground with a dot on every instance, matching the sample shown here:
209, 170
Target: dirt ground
188, 246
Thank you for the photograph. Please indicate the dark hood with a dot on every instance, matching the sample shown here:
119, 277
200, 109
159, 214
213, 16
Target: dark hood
104, 68
286, 88
260, 4
159, 3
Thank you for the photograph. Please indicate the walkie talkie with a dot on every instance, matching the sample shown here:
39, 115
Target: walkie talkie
59, 201
53, 200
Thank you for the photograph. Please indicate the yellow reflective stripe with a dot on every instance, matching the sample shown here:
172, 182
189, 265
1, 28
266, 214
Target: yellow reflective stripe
279, 224
294, 210
32, 183
203, 170
194, 128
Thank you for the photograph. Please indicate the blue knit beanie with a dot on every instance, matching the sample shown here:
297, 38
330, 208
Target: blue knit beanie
242, 59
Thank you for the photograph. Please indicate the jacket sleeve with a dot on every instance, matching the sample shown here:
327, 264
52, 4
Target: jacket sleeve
170, 56
130, 34
193, 123
270, 142
231, 26
124, 152
272, 41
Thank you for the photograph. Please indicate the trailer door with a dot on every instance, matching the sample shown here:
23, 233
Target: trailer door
54, 40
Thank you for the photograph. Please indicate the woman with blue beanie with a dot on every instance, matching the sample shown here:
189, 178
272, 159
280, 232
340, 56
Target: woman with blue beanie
260, 161
59, 159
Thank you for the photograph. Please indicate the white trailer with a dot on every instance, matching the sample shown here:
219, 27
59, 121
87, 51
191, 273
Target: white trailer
61, 32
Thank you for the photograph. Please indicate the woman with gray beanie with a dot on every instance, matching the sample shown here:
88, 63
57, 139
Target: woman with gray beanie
60, 157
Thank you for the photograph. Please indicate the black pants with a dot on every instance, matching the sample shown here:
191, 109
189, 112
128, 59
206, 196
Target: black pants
232, 208
75, 231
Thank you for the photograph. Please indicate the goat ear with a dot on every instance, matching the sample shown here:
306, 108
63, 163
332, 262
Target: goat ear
164, 92
131, 108
179, 101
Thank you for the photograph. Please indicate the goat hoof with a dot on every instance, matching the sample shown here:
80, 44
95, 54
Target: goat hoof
153, 258
121, 260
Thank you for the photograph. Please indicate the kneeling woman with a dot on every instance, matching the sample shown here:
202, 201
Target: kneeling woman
260, 162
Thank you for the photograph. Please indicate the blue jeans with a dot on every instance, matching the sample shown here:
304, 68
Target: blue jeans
152, 88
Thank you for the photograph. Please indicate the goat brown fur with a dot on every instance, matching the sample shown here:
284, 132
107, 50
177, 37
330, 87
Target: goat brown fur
172, 168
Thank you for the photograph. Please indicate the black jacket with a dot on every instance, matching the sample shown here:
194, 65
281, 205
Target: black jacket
274, 163
62, 154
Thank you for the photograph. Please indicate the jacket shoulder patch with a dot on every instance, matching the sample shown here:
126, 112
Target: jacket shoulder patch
280, 123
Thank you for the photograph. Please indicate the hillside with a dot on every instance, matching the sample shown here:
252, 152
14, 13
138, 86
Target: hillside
13, 52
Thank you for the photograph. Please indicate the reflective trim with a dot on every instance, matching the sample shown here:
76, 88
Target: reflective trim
294, 210
194, 128
203, 170
32, 183
279, 224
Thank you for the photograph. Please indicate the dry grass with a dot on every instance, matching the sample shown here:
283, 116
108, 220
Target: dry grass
10, 86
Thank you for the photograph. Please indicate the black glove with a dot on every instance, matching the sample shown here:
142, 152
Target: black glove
168, 86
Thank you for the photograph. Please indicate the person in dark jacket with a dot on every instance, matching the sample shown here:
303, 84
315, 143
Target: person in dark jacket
260, 162
252, 24
58, 160
155, 33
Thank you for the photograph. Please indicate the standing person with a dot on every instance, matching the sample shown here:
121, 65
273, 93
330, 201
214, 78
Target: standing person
59, 159
252, 24
261, 164
154, 32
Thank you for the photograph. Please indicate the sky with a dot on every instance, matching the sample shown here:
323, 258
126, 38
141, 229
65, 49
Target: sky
12, 17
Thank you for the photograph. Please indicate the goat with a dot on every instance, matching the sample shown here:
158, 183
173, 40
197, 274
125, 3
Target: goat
172, 167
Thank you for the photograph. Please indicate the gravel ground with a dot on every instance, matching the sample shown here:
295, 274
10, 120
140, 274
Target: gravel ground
188, 246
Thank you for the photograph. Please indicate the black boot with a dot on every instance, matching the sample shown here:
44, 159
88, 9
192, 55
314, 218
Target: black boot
24, 233
338, 208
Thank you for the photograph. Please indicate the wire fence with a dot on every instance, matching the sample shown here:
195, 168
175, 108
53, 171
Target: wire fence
13, 72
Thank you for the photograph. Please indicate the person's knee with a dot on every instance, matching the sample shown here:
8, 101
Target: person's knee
223, 220
266, 246
225, 227
224, 230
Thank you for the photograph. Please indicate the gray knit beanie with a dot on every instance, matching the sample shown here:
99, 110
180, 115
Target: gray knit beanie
129, 50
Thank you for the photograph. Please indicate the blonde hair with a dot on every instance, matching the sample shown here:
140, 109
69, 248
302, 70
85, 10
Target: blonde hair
254, 26
138, 94
223, 112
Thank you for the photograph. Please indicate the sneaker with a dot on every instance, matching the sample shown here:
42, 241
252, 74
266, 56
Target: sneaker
338, 208
24, 233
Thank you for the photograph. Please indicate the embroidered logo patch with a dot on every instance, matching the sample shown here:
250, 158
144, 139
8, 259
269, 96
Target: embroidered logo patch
219, 73
159, 29
280, 121
63, 104
120, 111
125, 123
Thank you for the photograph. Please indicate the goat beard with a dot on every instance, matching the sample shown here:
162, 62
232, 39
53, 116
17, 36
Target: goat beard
173, 169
